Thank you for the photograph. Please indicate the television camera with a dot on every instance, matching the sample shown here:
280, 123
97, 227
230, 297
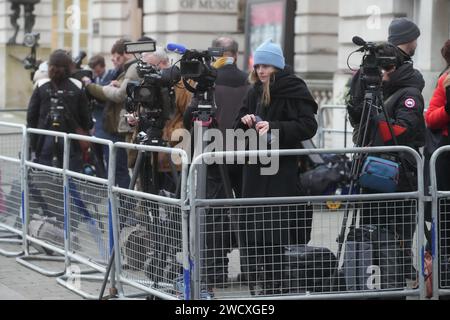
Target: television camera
195, 65
375, 59
152, 98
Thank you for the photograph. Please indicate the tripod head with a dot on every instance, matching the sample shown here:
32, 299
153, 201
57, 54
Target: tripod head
204, 108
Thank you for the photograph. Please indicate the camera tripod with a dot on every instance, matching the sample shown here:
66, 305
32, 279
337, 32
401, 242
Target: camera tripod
373, 106
150, 183
150, 163
212, 241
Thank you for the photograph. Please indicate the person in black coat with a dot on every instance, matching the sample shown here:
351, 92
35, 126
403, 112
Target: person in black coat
286, 109
403, 102
58, 103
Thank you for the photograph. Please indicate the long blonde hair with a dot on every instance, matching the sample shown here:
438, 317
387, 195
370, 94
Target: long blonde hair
266, 98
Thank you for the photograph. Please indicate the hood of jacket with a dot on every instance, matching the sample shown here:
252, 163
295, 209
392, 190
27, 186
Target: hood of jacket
405, 76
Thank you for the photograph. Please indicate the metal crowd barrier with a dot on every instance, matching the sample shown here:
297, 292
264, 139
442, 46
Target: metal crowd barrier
151, 234
12, 139
44, 209
270, 234
440, 227
88, 228
323, 130
235, 248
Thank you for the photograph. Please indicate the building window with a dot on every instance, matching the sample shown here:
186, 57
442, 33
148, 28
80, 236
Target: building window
71, 25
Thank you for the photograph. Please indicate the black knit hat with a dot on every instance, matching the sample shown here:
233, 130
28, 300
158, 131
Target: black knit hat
402, 30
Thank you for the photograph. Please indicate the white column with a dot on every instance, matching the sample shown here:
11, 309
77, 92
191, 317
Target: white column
316, 38
61, 23
76, 27
110, 19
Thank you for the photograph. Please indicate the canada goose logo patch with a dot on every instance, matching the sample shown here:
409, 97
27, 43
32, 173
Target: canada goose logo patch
410, 103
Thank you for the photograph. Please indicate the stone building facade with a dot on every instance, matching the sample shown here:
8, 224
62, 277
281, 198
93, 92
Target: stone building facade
323, 31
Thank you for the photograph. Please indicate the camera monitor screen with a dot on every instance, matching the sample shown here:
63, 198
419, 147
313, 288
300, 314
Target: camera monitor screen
139, 47
190, 69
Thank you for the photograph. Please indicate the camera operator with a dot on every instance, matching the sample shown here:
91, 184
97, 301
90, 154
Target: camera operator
59, 104
402, 87
101, 77
114, 103
166, 123
231, 86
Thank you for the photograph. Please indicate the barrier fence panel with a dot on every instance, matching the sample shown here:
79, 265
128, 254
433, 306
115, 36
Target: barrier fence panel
89, 238
151, 226
11, 186
334, 129
440, 224
44, 204
286, 248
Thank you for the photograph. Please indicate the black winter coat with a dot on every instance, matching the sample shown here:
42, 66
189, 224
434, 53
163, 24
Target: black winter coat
407, 110
291, 111
77, 111
231, 88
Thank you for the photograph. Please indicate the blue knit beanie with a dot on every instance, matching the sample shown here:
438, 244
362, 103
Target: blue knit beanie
269, 53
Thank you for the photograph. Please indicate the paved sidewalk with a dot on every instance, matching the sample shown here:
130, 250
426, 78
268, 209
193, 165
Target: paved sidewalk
20, 283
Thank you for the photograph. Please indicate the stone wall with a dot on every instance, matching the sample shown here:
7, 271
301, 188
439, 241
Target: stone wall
193, 23
15, 82
111, 20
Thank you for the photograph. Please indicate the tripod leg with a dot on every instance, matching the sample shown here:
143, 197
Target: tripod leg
155, 173
226, 180
176, 178
136, 169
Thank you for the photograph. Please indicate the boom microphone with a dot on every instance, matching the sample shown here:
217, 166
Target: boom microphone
359, 41
177, 48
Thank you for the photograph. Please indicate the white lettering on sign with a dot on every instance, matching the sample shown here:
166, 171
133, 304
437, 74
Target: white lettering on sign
209, 5
374, 280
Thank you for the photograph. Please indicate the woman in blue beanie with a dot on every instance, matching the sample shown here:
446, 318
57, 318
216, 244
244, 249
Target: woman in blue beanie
278, 103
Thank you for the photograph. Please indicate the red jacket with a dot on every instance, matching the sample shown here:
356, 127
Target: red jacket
436, 117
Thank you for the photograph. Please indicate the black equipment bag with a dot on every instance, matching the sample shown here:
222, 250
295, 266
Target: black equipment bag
307, 268
373, 259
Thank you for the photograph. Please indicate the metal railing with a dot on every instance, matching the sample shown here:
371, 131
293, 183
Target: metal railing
151, 237
268, 228
88, 227
44, 209
324, 117
440, 227
11, 186
167, 261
